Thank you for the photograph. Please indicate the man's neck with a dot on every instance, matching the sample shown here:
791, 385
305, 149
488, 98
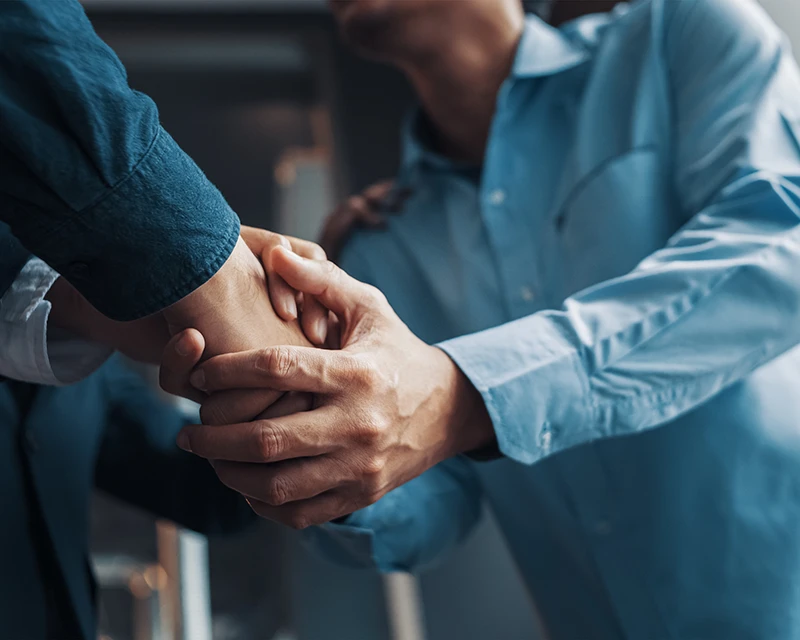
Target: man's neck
458, 83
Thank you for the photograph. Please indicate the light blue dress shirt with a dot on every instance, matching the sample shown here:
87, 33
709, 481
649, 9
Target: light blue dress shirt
622, 284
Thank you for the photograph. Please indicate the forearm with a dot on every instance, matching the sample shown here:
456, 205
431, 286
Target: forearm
636, 352
233, 311
91, 183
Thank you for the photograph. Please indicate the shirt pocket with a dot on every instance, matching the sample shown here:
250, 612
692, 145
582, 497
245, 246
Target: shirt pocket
618, 214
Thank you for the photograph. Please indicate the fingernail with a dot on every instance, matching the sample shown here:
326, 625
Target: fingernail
291, 308
321, 329
198, 380
183, 441
182, 346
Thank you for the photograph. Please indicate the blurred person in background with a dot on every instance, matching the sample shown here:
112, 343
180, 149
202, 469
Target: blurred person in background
599, 254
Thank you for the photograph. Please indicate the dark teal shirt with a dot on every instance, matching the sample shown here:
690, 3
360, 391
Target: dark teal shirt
89, 180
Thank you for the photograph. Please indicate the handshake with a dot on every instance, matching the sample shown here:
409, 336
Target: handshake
316, 399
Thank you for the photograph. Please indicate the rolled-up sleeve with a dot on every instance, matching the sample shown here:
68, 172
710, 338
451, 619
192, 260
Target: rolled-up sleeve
721, 299
90, 181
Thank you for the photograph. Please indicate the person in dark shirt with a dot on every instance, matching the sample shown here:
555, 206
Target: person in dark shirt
93, 186
110, 431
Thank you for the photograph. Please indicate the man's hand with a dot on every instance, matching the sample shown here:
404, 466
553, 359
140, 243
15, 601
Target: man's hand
388, 407
367, 209
233, 313
144, 340
285, 300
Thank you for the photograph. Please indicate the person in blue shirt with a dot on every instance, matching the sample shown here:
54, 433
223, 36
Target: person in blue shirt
596, 276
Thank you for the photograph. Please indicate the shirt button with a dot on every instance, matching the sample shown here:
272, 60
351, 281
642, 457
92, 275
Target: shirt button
497, 197
545, 438
527, 294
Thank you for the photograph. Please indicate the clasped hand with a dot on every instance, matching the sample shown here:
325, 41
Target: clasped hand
386, 406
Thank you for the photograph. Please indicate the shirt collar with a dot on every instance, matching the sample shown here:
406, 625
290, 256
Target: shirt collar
543, 50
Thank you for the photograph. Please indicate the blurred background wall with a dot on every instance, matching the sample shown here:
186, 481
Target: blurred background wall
787, 14
286, 122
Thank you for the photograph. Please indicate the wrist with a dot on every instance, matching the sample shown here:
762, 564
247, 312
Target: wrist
71, 312
469, 425
241, 275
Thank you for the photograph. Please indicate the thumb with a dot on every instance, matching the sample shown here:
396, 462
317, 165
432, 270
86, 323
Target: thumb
322, 279
180, 357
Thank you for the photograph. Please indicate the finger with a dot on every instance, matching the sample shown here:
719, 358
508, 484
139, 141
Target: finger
306, 513
282, 296
237, 405
292, 402
334, 288
307, 249
283, 482
261, 242
334, 339
300, 435
180, 357
365, 213
282, 368
378, 193
314, 320
314, 317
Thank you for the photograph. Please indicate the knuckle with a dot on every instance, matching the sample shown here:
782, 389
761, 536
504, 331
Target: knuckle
270, 441
299, 520
316, 252
330, 270
374, 296
357, 202
277, 361
372, 431
278, 491
370, 377
374, 467
278, 240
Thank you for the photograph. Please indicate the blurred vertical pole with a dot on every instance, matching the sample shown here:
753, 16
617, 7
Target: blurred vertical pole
195, 591
404, 604
186, 606
167, 540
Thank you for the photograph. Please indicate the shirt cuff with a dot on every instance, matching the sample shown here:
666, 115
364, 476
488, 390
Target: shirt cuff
29, 352
533, 383
347, 544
